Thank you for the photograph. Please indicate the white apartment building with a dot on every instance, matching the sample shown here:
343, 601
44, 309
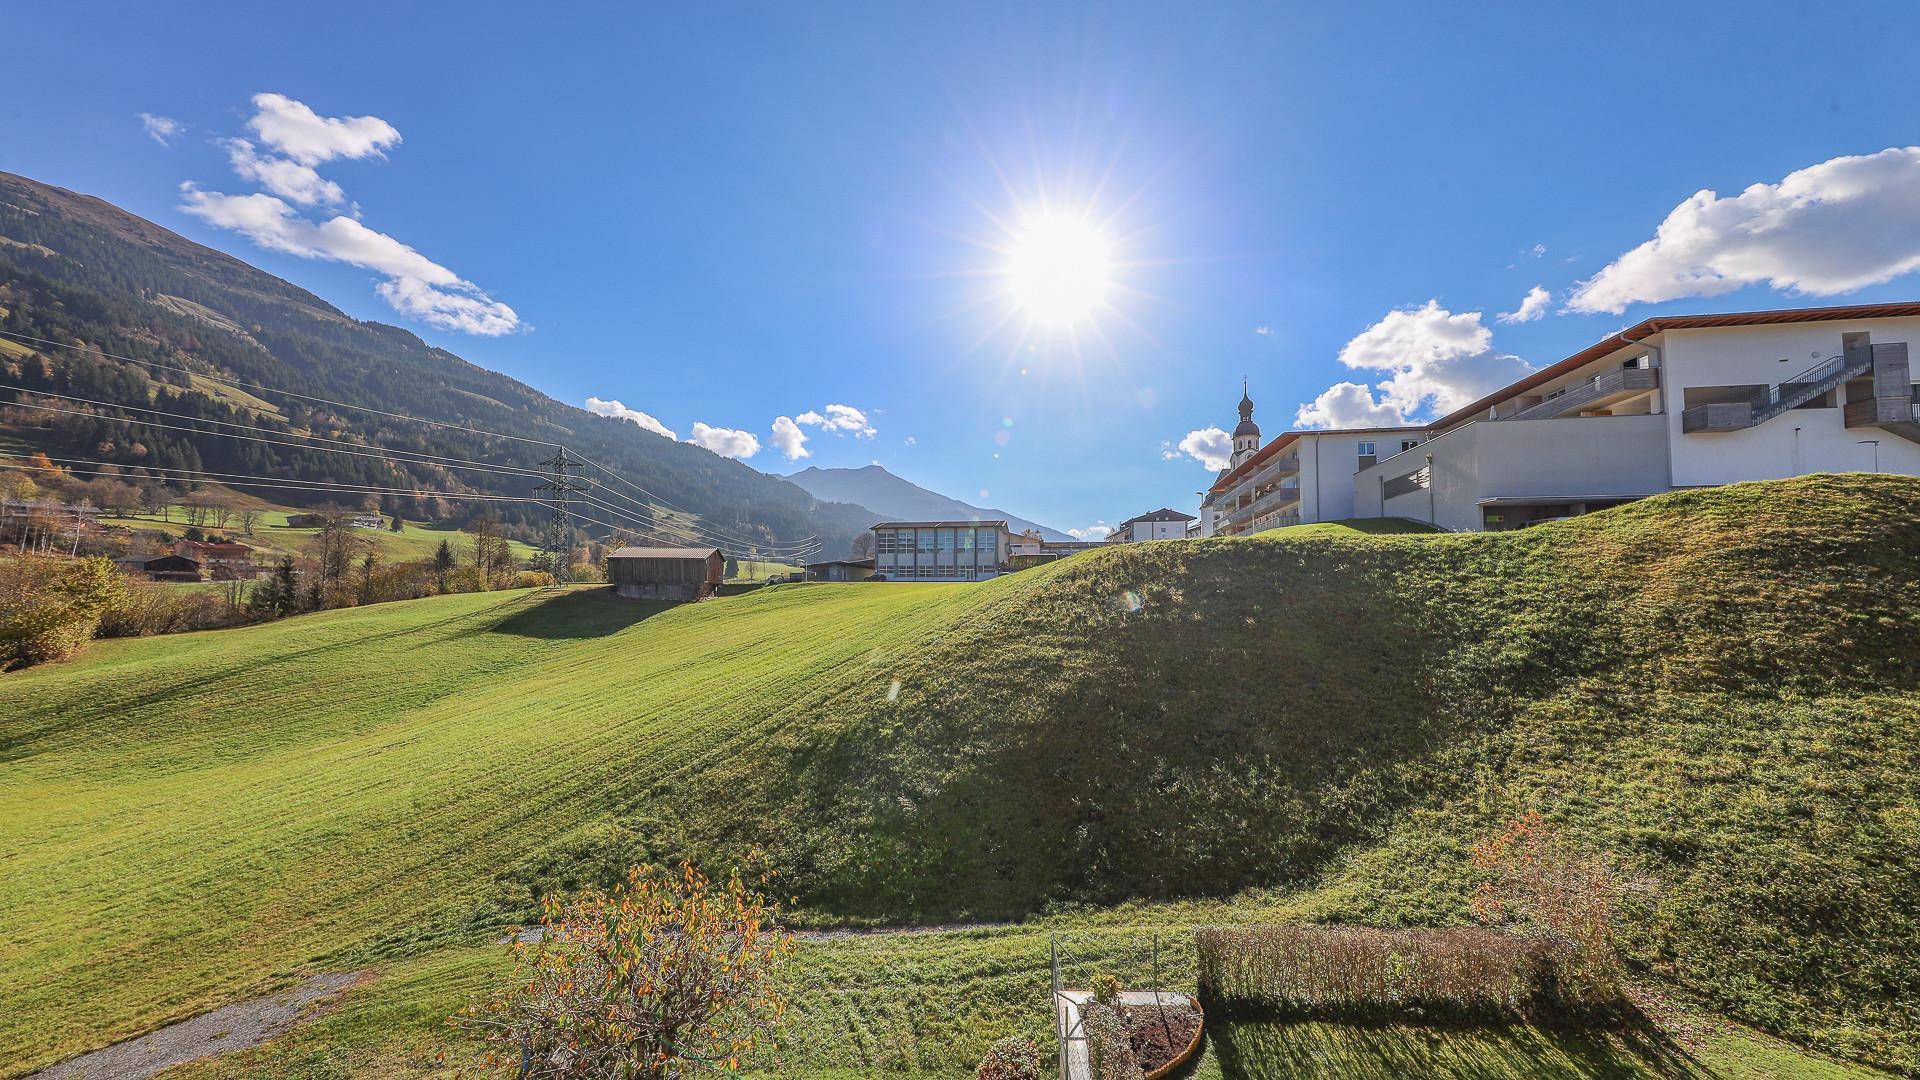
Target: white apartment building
1300, 477
1161, 524
940, 550
1673, 402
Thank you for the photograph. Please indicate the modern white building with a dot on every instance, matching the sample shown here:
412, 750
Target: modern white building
1673, 402
1302, 476
939, 550
1161, 524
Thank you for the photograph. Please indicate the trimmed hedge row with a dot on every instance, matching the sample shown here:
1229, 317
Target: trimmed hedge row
1351, 972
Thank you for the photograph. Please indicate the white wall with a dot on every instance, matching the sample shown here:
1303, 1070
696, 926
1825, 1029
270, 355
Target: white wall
1156, 530
1565, 457
1327, 466
1796, 442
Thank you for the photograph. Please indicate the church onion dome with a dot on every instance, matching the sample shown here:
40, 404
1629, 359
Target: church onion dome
1247, 427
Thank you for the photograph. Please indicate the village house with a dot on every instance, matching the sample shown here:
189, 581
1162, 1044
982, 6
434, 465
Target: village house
225, 560
1161, 524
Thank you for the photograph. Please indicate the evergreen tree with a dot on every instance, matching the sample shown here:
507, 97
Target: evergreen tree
443, 563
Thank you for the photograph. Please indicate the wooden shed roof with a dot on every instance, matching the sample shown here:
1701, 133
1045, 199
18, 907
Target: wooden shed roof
664, 553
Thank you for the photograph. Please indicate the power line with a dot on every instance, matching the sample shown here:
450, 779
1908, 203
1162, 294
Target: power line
254, 480
708, 532
419, 457
276, 390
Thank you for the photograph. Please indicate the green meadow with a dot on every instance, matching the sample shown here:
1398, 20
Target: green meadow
1720, 688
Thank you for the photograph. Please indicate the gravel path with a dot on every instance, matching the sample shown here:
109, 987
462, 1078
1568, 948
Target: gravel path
230, 1027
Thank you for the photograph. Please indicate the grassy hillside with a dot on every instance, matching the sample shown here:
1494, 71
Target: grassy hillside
273, 536
79, 271
1723, 687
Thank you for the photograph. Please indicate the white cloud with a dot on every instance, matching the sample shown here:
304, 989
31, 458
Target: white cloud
282, 177
161, 129
1829, 228
840, 419
1433, 358
789, 439
1099, 530
727, 442
1537, 250
1211, 447
1532, 306
1348, 405
616, 409
1263, 331
911, 441
417, 285
305, 136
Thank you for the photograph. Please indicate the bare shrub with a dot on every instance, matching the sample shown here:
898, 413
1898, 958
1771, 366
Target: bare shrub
1349, 971
667, 975
1015, 1057
149, 608
1537, 879
1109, 1043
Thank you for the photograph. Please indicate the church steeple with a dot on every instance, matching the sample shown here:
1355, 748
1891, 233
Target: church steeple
1246, 437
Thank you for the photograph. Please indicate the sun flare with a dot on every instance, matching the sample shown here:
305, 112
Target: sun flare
1059, 269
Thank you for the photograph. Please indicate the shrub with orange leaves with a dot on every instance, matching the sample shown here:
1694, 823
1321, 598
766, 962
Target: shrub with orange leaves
667, 975
1534, 876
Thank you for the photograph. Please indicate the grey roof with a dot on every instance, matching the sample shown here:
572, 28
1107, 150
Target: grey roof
664, 553
984, 523
1162, 514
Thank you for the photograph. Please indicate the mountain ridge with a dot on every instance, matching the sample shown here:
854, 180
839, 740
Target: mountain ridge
77, 270
894, 496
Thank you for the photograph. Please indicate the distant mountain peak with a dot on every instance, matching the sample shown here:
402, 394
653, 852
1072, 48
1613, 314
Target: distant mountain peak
877, 489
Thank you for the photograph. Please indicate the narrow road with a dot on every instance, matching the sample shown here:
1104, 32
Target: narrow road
237, 1026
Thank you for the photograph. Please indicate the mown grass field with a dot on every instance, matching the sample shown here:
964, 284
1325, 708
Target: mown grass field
273, 535
1722, 688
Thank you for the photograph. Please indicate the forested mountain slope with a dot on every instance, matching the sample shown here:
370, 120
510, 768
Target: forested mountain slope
77, 270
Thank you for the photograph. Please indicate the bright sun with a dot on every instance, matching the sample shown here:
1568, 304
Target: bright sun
1059, 269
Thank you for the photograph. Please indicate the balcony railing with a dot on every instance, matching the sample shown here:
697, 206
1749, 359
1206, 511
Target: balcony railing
1266, 504
1613, 386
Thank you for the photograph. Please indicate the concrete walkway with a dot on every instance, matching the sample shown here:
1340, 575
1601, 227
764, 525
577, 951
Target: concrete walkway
238, 1026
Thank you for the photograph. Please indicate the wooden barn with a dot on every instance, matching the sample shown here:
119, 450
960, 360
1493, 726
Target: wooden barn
162, 567
666, 573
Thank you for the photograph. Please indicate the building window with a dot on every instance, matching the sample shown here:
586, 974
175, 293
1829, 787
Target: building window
1366, 449
1408, 444
924, 539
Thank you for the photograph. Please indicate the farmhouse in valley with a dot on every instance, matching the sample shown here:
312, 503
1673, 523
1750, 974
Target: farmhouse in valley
1672, 402
666, 573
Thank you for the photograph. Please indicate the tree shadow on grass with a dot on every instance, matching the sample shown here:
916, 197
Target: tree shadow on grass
577, 613
1370, 1051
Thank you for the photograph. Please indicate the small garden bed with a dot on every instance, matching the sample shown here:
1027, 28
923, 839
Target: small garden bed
1140, 1035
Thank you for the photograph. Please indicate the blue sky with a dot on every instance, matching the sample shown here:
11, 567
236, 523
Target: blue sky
729, 216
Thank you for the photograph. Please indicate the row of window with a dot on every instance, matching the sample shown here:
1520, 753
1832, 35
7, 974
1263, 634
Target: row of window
902, 573
891, 541
1366, 448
